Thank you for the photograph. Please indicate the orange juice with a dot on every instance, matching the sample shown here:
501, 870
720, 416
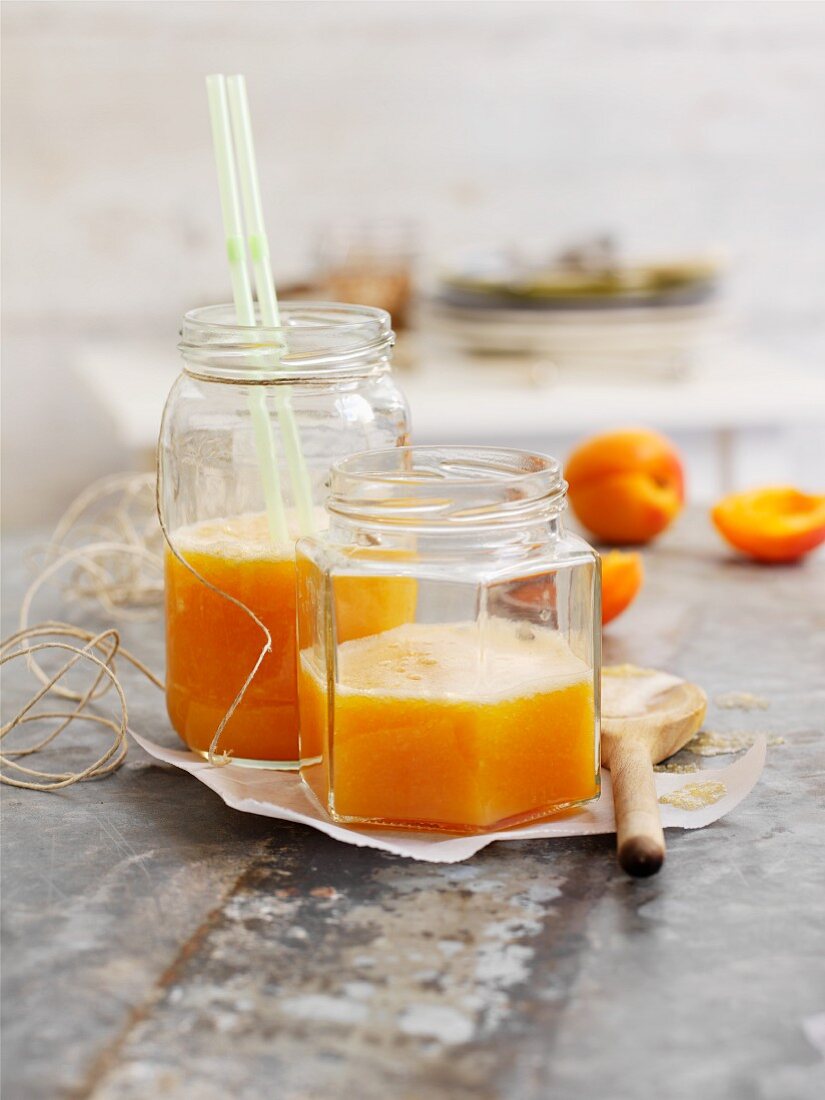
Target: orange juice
212, 644
450, 726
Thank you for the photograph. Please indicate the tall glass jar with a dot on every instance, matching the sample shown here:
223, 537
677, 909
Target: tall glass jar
230, 499
469, 701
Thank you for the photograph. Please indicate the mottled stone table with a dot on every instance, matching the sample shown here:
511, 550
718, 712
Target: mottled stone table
158, 944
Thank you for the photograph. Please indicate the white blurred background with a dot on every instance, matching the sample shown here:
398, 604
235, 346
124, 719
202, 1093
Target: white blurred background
676, 127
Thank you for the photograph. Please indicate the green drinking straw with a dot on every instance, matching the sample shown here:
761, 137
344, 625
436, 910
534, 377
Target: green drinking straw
265, 288
244, 306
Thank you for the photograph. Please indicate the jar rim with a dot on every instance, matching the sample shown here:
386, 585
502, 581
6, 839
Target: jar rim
316, 315
314, 337
446, 485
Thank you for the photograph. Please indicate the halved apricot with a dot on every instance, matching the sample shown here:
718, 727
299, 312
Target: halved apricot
622, 576
773, 524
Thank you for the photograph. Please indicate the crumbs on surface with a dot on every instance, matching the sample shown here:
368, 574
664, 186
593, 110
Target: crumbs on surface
695, 796
626, 670
741, 700
708, 743
676, 769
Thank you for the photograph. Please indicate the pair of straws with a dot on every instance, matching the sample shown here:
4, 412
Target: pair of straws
232, 137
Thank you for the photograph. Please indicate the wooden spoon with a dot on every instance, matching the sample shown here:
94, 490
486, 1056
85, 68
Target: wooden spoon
646, 717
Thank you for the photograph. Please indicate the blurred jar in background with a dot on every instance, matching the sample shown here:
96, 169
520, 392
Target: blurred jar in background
371, 263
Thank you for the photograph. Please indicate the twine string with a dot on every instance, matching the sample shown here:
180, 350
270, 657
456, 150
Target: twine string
100, 650
121, 570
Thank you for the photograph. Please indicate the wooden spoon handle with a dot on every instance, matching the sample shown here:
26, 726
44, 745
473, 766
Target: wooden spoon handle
639, 837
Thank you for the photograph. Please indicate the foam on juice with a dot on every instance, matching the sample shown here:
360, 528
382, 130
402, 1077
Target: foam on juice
459, 661
242, 537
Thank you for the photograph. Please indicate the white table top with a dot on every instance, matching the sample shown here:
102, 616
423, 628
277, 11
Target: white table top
459, 400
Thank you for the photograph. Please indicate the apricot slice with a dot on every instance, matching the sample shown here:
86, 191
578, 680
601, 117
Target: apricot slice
773, 524
622, 576
626, 487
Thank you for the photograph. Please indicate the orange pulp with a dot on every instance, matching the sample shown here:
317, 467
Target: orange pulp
450, 726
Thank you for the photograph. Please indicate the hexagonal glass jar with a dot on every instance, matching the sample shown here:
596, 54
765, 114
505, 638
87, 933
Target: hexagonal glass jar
325, 376
449, 643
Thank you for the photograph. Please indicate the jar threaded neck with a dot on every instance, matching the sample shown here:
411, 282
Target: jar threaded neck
315, 340
447, 488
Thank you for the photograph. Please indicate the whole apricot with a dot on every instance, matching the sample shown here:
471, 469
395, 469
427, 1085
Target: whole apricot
773, 524
622, 576
627, 486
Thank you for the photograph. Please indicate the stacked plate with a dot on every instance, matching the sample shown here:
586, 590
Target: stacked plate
585, 313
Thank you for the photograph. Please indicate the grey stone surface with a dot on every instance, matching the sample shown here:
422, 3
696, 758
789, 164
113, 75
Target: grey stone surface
158, 944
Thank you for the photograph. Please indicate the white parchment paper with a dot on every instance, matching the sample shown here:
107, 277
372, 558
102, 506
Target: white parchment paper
281, 795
